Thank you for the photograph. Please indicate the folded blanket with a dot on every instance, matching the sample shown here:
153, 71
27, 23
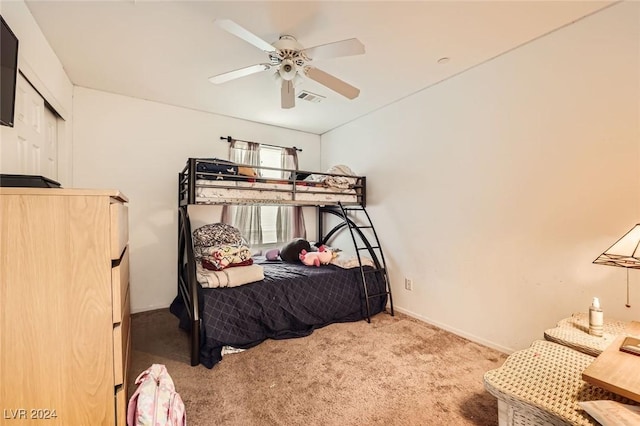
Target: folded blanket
341, 182
213, 267
221, 257
352, 262
230, 277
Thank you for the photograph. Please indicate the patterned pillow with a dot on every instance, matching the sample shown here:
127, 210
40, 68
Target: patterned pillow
217, 234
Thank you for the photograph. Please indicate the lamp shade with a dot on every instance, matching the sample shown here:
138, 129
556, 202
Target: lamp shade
625, 252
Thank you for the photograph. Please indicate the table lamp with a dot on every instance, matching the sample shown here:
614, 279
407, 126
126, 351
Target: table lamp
624, 253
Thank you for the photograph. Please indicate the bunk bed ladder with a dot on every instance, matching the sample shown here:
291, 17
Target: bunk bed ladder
348, 215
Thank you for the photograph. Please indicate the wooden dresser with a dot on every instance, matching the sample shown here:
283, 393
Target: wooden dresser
64, 306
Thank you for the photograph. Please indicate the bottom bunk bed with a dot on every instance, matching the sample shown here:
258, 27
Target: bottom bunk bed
291, 301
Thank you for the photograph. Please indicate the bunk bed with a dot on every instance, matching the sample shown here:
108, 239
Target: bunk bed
292, 299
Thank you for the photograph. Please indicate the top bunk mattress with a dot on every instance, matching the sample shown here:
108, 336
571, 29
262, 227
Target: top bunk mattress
284, 192
214, 181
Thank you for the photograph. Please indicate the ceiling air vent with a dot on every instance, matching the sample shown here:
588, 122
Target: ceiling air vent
311, 97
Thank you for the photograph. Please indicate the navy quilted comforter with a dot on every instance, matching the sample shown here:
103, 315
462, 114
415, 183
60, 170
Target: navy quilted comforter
291, 301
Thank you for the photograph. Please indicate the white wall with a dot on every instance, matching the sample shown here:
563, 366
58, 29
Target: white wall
139, 147
40, 65
496, 189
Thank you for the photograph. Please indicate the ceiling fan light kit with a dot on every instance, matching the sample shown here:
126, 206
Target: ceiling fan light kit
288, 70
291, 61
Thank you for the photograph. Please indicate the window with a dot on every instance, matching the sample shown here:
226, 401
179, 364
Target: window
266, 225
270, 157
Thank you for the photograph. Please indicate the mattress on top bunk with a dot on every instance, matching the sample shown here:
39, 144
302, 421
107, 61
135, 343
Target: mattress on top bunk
291, 301
215, 191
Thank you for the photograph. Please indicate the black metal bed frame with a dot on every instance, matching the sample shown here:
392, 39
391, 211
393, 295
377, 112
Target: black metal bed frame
188, 286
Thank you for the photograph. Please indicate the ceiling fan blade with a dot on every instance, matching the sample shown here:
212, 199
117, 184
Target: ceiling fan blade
235, 29
348, 47
333, 83
242, 72
287, 94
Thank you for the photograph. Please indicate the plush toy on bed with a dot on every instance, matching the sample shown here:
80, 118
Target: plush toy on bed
290, 251
321, 257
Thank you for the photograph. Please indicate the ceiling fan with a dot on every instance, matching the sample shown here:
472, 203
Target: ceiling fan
290, 60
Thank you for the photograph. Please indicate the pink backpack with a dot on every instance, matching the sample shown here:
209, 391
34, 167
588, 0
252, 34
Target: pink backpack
155, 401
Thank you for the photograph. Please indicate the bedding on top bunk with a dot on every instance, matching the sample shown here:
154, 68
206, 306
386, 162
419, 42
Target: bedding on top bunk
291, 301
211, 191
217, 169
224, 181
338, 176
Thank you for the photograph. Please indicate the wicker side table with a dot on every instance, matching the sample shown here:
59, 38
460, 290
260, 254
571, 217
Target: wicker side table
574, 333
542, 385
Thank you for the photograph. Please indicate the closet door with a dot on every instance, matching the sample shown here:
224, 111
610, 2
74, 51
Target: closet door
35, 149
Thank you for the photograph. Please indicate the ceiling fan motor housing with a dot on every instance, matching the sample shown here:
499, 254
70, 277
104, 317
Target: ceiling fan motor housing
287, 43
289, 56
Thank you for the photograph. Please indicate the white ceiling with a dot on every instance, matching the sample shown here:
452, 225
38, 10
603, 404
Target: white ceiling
165, 51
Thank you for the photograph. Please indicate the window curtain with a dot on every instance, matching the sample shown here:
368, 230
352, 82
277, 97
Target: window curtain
245, 218
290, 219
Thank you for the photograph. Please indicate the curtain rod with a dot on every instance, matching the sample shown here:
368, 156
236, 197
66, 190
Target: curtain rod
230, 139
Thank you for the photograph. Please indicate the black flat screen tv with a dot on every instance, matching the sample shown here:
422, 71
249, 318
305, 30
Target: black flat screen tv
9, 73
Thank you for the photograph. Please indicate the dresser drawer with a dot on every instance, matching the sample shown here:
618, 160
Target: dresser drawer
120, 285
119, 228
121, 344
122, 390
121, 406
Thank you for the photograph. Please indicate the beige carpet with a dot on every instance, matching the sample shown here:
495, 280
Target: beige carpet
394, 371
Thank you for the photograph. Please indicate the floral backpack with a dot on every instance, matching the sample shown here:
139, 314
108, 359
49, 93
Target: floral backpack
155, 402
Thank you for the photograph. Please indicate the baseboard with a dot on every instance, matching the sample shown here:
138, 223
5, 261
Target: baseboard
139, 309
456, 331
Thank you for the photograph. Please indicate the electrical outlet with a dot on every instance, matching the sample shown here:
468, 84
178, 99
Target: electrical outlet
408, 284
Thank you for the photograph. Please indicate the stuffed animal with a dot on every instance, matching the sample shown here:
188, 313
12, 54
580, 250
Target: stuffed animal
321, 257
272, 254
290, 252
